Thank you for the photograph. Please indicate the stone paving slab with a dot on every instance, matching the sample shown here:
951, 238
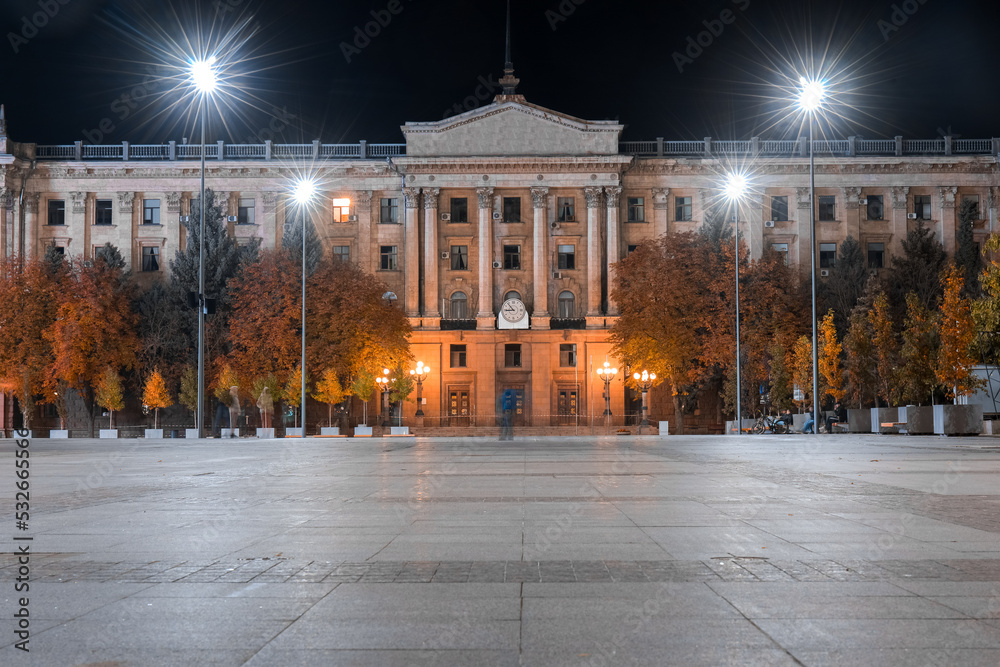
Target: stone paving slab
766, 550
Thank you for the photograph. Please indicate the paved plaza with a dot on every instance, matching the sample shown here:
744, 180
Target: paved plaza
586, 550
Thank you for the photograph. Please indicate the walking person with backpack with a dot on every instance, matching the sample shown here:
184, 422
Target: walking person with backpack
507, 420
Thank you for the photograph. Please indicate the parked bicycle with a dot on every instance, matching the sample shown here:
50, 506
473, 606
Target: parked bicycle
770, 424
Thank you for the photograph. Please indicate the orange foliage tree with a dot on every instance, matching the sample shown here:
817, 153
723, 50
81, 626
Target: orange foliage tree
95, 326
957, 335
918, 356
886, 347
156, 396
829, 357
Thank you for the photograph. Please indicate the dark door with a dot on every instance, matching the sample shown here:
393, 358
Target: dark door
458, 407
518, 389
567, 406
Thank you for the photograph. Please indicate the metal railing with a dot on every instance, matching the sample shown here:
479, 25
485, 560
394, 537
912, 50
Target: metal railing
213, 151
849, 147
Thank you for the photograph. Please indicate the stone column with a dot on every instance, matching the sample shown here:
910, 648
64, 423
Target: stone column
363, 209
76, 218
30, 232
269, 219
802, 257
593, 251
613, 194
949, 216
661, 199
411, 248
900, 225
540, 296
485, 314
432, 297
753, 228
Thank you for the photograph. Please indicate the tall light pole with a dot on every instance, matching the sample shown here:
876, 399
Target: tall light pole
205, 79
810, 100
645, 381
735, 189
420, 373
607, 373
302, 194
383, 382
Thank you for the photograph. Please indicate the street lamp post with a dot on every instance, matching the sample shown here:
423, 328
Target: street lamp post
383, 382
419, 373
736, 187
305, 190
645, 381
607, 373
205, 80
810, 99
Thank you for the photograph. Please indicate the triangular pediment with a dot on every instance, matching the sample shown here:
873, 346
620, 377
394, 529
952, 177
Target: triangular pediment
511, 128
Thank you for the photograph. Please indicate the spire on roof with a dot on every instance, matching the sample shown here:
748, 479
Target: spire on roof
509, 82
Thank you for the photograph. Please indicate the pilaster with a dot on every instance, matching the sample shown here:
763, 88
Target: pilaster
661, 199
540, 314
432, 297
593, 196
612, 196
949, 215
485, 314
363, 209
411, 246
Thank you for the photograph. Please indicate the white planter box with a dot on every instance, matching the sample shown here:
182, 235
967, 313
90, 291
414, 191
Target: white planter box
747, 424
883, 416
191, 433
154, 433
293, 432
664, 428
229, 433
399, 430
109, 433
919, 419
330, 430
362, 431
859, 421
58, 434
265, 433
958, 419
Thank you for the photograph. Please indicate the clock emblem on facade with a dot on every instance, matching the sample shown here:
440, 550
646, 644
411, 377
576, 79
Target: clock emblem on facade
512, 310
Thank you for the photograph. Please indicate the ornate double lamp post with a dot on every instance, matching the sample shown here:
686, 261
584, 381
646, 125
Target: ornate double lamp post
420, 372
383, 382
607, 373
645, 381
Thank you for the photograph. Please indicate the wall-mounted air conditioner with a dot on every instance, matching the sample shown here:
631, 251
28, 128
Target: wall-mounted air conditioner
911, 216
497, 216
863, 202
446, 255
185, 218
554, 225
352, 218
230, 218
769, 223
556, 275
497, 265
824, 273
446, 217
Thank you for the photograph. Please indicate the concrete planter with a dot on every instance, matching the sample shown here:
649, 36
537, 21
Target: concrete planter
111, 433
154, 433
265, 433
330, 430
746, 424
919, 419
229, 433
362, 431
191, 433
293, 432
859, 421
958, 419
664, 428
884, 415
399, 430
59, 434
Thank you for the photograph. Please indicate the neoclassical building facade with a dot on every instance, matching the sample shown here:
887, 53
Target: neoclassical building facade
497, 230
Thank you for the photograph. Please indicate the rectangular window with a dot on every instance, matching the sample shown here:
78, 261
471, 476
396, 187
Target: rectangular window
922, 206
567, 257
341, 210
975, 204
779, 209
565, 209
631, 249
57, 211
827, 255
390, 211
458, 356
151, 211
460, 258
512, 355
245, 212
388, 258
636, 209
827, 208
512, 209
876, 255
102, 212
59, 250
512, 257
459, 209
876, 207
567, 355
150, 258
682, 209
781, 248
342, 254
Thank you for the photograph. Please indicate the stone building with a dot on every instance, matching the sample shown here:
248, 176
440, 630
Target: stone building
497, 229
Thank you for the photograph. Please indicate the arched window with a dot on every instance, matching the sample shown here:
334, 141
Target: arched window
512, 295
567, 305
459, 306
389, 298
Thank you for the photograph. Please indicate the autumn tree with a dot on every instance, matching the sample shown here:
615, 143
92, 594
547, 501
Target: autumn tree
95, 326
291, 239
968, 256
667, 301
886, 347
986, 308
225, 380
189, 390
163, 346
363, 387
918, 354
957, 334
860, 360
156, 396
329, 391
109, 394
802, 370
291, 392
781, 379
917, 270
829, 357
846, 283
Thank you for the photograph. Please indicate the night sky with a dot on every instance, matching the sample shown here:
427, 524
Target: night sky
680, 70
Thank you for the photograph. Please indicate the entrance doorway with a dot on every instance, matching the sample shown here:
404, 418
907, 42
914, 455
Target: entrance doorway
567, 405
459, 413
518, 389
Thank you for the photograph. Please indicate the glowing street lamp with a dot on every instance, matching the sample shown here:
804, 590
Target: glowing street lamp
735, 189
303, 193
204, 78
810, 100
645, 381
383, 381
420, 373
607, 373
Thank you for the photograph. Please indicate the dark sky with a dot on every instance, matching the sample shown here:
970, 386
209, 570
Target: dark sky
916, 68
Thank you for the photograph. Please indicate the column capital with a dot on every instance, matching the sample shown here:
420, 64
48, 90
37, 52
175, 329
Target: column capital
485, 198
539, 197
899, 194
660, 198
613, 194
125, 200
270, 198
174, 202
411, 196
593, 195
78, 201
363, 197
431, 197
948, 194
